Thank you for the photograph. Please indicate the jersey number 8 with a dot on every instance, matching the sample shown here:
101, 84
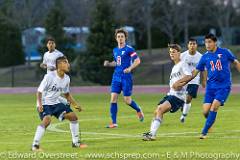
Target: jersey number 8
119, 61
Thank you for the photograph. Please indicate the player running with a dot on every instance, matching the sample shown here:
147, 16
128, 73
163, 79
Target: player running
217, 62
191, 57
125, 61
175, 98
53, 84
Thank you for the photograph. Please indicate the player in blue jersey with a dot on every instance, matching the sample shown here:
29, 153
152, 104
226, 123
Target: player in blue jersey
125, 60
217, 62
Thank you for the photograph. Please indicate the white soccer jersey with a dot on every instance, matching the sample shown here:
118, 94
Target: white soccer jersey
179, 70
52, 86
50, 59
192, 61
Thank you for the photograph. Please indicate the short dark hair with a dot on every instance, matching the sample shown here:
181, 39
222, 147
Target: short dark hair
192, 40
60, 59
50, 39
211, 36
175, 46
121, 30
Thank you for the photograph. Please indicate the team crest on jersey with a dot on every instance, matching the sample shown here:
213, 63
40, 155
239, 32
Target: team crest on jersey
123, 52
219, 55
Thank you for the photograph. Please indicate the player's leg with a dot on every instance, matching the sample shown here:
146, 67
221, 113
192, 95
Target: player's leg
220, 98
45, 116
74, 128
157, 120
186, 108
116, 88
127, 92
192, 90
169, 103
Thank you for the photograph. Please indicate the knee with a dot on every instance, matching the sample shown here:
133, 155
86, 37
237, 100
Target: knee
114, 99
46, 122
73, 117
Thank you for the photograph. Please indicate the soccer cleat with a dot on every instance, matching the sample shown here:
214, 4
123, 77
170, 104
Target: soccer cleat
140, 116
148, 137
182, 119
203, 136
112, 125
36, 148
79, 145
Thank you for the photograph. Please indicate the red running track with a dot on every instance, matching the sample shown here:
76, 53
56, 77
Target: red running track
104, 89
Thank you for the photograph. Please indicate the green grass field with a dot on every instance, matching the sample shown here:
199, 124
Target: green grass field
18, 121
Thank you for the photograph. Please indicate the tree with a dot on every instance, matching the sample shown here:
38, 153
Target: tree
11, 52
54, 24
99, 44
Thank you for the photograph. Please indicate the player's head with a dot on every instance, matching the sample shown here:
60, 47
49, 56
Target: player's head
192, 45
51, 45
174, 52
210, 42
121, 35
62, 64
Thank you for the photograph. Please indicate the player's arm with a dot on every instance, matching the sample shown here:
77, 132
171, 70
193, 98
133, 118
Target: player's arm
135, 63
204, 78
237, 64
43, 86
109, 64
39, 100
43, 66
183, 81
72, 101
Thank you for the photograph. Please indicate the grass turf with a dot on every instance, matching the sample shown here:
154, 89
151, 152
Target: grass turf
19, 119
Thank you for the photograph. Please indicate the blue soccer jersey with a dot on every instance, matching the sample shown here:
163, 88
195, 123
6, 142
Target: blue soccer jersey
123, 58
218, 68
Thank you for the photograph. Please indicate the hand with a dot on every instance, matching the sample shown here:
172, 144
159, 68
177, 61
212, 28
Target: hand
40, 108
127, 70
77, 107
106, 63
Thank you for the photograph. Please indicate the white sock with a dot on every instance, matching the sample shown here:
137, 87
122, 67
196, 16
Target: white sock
155, 125
38, 135
186, 109
74, 127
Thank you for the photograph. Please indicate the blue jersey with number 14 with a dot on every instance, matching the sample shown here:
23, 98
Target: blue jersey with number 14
123, 58
218, 67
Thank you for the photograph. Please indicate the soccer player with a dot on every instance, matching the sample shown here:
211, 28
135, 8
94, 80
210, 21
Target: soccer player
49, 57
175, 97
49, 60
191, 57
53, 84
125, 61
217, 62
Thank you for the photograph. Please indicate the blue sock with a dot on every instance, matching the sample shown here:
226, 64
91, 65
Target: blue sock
209, 122
113, 111
135, 106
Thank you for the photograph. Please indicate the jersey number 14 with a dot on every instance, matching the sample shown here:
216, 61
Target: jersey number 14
217, 66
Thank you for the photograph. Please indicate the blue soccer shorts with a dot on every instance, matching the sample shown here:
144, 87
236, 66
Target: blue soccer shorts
125, 86
220, 94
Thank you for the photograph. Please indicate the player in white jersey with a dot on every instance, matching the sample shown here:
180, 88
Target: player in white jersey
49, 60
191, 57
175, 97
52, 86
